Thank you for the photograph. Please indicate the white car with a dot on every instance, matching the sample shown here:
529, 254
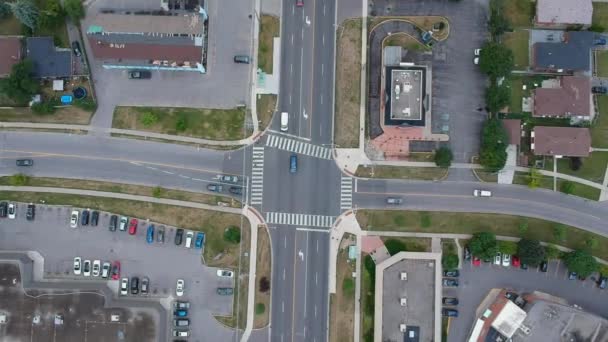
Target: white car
477, 52
105, 270
77, 265
124, 286
74, 219
179, 288
181, 333
86, 268
225, 273
123, 223
497, 258
506, 260
482, 193
476, 60
96, 268
12, 210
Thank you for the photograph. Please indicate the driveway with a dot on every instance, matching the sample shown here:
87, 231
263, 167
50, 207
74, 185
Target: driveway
52, 237
458, 86
476, 282
225, 85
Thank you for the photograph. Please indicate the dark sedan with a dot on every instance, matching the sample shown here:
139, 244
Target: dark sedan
140, 74
179, 236
25, 162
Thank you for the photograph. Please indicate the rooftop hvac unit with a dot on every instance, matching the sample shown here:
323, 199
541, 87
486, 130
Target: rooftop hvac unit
402, 327
403, 275
526, 330
403, 301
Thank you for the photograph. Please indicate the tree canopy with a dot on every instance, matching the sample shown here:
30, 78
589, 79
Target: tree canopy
530, 252
26, 12
74, 9
497, 96
484, 245
496, 60
581, 262
494, 140
19, 86
443, 157
498, 23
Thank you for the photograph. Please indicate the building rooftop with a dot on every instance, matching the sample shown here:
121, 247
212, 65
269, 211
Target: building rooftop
513, 128
572, 98
10, 53
49, 62
561, 141
573, 54
566, 12
137, 51
406, 94
191, 23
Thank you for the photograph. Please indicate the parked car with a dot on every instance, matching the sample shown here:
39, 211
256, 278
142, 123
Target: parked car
497, 258
86, 268
242, 59
105, 270
84, 218
451, 273
189, 238
77, 265
116, 270
160, 235
12, 210
602, 282
113, 223
225, 273
140, 74
200, 239
134, 285
124, 286
229, 179
225, 291
180, 313
299, 3
523, 266
181, 322
123, 223
506, 260
544, 266
572, 275
450, 301
476, 261
449, 312
179, 287
3, 209
467, 253
25, 162
181, 305
150, 234
30, 214
482, 193
76, 49
599, 41
179, 236
96, 268
133, 226
145, 285
74, 219
394, 200
515, 261
214, 187
599, 90
94, 218
448, 282
235, 190
180, 333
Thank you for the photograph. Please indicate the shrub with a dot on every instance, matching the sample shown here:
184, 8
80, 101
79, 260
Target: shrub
575, 163
86, 104
157, 192
19, 179
395, 246
348, 285
449, 261
443, 157
264, 285
181, 124
148, 119
567, 187
260, 308
232, 234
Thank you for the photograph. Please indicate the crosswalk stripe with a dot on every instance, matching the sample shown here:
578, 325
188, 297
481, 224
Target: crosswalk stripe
257, 175
297, 146
300, 220
346, 193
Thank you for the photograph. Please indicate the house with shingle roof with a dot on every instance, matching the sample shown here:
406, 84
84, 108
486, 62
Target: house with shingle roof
571, 99
563, 13
570, 55
561, 141
10, 54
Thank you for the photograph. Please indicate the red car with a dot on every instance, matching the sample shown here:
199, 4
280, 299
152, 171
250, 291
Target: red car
515, 261
133, 227
115, 270
299, 3
476, 261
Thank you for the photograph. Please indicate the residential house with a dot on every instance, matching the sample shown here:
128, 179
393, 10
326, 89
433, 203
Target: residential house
513, 128
563, 13
167, 42
561, 141
10, 54
571, 99
49, 61
571, 55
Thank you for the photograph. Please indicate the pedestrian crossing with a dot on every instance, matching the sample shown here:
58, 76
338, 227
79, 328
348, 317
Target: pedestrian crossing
302, 220
257, 175
297, 146
346, 193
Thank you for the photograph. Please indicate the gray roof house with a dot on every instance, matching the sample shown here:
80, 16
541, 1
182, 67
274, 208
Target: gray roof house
49, 62
563, 13
573, 54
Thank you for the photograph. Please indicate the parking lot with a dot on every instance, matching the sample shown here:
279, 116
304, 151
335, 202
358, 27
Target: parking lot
163, 263
476, 282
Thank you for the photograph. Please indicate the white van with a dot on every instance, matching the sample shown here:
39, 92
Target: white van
482, 193
189, 237
284, 121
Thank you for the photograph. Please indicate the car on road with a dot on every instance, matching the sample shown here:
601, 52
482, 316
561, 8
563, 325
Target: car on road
293, 163
181, 333
124, 286
180, 313
515, 262
476, 261
299, 3
242, 59
150, 234
449, 312
449, 301
113, 223
506, 260
96, 268
599, 90
449, 282
84, 218
284, 121
86, 268
105, 270
181, 322
179, 287
394, 200
179, 236
30, 213
25, 162
76, 49
181, 305
133, 226
497, 258
94, 218
225, 273
145, 285
200, 239
189, 237
115, 270
215, 187
544, 266
602, 282
160, 234
224, 291
572, 275
451, 273
3, 209
134, 285
12, 210
77, 265
74, 219
228, 179
235, 190
482, 193
123, 223
140, 74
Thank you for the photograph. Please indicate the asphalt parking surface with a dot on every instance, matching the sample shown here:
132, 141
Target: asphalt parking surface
476, 282
52, 237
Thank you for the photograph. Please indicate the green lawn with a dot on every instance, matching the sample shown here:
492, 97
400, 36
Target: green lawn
517, 94
599, 129
601, 60
600, 14
265, 105
546, 182
517, 41
519, 12
468, 223
402, 172
593, 167
214, 124
269, 28
368, 278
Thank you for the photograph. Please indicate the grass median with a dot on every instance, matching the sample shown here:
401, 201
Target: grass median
342, 303
265, 105
263, 273
269, 28
66, 115
402, 172
565, 186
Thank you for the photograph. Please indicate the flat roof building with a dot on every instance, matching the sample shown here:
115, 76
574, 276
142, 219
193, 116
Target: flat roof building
406, 97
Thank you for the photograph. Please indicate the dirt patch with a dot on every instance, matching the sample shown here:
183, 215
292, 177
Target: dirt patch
266, 105
402, 172
269, 28
263, 270
342, 303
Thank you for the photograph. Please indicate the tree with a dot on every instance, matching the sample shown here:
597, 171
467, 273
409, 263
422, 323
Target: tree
484, 245
559, 232
496, 60
497, 96
507, 247
534, 178
5, 10
52, 15
493, 154
581, 262
449, 261
20, 86
26, 12
232, 234
530, 252
74, 9
264, 285
567, 187
443, 157
498, 23
551, 252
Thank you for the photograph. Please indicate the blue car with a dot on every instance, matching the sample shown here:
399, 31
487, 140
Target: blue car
150, 234
200, 239
293, 163
181, 313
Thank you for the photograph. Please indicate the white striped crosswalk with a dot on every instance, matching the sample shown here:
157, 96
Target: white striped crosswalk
257, 175
302, 220
346, 193
299, 147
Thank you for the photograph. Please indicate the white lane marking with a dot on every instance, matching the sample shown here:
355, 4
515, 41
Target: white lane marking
323, 39
323, 9
283, 273
288, 135
306, 277
317, 246
302, 34
198, 180
292, 39
316, 278
186, 177
322, 69
312, 230
283, 306
151, 168
286, 242
315, 311
169, 173
289, 98
290, 69
321, 98
293, 10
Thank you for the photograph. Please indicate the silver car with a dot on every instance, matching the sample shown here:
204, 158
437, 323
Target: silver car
394, 200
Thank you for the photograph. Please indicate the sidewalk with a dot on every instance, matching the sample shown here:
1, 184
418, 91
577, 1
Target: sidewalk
255, 219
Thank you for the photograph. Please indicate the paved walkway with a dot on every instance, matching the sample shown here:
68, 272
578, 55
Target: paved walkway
255, 219
505, 176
